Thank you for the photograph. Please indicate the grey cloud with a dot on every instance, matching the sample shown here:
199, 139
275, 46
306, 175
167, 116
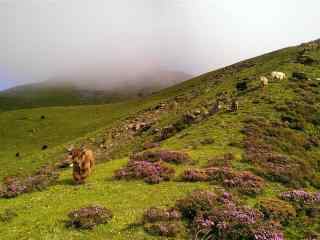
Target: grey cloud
41, 39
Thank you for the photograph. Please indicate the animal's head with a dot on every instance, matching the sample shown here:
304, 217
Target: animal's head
75, 155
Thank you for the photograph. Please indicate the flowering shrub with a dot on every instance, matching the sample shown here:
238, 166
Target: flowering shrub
219, 161
165, 229
15, 186
88, 217
278, 153
277, 210
175, 157
150, 172
268, 233
218, 174
301, 196
161, 215
198, 201
214, 216
149, 145
220, 217
245, 182
195, 175
304, 201
162, 222
12, 187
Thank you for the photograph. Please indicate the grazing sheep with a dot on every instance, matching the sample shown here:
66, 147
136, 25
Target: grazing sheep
44, 147
278, 75
17, 154
83, 162
264, 81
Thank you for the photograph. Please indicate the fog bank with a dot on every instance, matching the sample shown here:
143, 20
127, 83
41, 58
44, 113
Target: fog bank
46, 39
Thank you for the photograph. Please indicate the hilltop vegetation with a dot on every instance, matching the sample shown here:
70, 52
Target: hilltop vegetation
259, 165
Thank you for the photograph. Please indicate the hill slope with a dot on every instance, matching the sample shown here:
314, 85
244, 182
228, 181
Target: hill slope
86, 91
270, 145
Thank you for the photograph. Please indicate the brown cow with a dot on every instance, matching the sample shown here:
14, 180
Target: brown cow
83, 162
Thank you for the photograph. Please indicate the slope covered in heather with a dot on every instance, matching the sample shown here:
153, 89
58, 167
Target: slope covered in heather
265, 155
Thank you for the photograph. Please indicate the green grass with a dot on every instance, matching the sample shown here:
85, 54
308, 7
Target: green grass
25, 132
41, 215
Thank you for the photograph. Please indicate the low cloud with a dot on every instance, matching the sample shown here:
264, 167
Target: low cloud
108, 40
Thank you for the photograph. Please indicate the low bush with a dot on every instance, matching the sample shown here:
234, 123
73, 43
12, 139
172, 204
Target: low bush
301, 197
279, 153
168, 156
8, 215
224, 160
245, 182
149, 145
89, 217
165, 229
161, 215
162, 222
15, 186
299, 75
150, 172
306, 202
277, 210
195, 175
214, 216
197, 201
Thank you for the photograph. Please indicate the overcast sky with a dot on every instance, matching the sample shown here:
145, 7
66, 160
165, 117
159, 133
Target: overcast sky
41, 39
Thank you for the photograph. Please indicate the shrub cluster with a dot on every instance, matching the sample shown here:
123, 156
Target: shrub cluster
306, 202
166, 229
89, 217
277, 210
161, 215
162, 222
149, 145
195, 175
8, 215
244, 181
221, 217
224, 160
15, 186
301, 196
168, 156
279, 153
150, 172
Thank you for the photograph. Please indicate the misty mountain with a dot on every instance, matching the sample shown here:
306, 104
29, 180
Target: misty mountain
86, 88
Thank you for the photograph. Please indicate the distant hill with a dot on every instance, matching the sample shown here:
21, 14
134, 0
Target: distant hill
80, 90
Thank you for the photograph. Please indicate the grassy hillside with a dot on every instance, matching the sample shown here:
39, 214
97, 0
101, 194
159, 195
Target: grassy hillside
274, 136
44, 95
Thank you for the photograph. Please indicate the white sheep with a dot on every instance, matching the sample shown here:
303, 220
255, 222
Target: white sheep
278, 75
264, 81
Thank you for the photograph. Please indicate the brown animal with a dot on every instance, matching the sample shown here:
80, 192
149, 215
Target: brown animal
83, 162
